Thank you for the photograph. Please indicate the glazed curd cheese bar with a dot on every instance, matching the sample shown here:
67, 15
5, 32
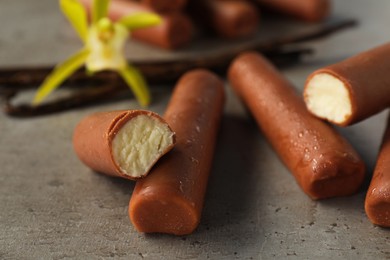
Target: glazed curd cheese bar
324, 164
122, 143
170, 199
352, 90
377, 204
227, 18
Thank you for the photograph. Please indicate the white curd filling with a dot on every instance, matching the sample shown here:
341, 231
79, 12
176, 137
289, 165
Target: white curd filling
327, 97
139, 143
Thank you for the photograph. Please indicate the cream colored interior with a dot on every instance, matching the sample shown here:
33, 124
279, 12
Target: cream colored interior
327, 97
139, 143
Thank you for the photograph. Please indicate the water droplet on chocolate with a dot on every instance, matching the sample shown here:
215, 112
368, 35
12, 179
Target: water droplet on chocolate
194, 160
306, 156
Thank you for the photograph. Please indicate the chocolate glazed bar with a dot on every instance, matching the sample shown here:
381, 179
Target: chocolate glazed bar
352, 90
377, 203
125, 143
227, 18
323, 163
170, 199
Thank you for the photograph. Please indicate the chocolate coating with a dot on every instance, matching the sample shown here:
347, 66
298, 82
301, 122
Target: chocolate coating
170, 199
377, 204
367, 79
323, 163
176, 29
228, 18
165, 6
305, 10
93, 136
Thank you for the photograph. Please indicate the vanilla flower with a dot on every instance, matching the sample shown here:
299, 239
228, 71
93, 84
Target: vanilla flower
104, 42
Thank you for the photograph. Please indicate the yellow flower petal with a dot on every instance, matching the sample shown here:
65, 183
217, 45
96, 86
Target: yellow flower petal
137, 83
76, 15
140, 20
60, 73
99, 10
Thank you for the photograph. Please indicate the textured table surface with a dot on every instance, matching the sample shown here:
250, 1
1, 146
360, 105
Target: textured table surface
53, 207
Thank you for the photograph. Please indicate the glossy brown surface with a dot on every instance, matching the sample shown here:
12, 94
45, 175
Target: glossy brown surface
92, 139
367, 79
377, 204
165, 6
170, 199
175, 30
306, 10
323, 163
228, 18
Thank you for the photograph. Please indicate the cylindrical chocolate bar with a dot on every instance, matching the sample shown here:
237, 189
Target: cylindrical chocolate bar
170, 199
377, 202
352, 90
228, 18
165, 6
323, 163
122, 143
306, 10
175, 31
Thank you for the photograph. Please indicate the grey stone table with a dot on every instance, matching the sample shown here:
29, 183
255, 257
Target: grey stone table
53, 207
